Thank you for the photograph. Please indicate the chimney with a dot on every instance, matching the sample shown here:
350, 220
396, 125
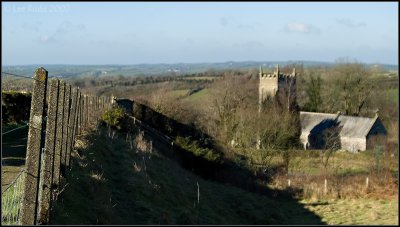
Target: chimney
376, 113
338, 115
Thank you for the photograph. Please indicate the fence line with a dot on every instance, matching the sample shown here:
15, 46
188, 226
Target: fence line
26, 125
13, 182
51, 136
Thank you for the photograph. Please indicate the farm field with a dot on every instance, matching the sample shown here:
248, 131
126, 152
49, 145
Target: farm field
198, 99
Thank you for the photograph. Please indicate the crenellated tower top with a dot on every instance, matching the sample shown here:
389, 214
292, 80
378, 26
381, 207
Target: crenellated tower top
276, 73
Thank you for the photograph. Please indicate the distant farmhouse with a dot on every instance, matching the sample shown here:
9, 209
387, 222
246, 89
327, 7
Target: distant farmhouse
353, 133
320, 130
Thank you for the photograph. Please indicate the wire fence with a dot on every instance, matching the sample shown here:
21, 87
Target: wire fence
58, 114
11, 200
11, 196
26, 124
13, 82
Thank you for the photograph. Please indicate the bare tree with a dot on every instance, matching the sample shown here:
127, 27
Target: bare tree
331, 144
351, 88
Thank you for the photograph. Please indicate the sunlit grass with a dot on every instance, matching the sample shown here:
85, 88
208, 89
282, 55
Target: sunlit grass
355, 211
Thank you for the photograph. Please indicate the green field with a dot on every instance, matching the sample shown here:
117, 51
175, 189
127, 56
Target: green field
201, 78
394, 95
198, 99
177, 93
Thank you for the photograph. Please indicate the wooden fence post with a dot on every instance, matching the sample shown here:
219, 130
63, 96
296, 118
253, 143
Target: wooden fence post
67, 105
48, 155
59, 135
34, 148
71, 121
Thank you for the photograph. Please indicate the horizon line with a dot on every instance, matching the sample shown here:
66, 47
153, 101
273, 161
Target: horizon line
217, 62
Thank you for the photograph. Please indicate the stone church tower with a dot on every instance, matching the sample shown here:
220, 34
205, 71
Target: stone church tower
275, 84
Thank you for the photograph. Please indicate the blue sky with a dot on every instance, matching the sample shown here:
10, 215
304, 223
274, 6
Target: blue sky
193, 32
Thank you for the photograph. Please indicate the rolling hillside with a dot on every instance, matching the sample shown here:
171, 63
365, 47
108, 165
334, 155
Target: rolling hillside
126, 180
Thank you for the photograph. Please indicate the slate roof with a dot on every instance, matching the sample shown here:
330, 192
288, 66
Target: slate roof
310, 119
352, 126
355, 127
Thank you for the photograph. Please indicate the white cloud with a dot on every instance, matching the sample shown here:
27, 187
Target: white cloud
47, 39
67, 27
350, 23
248, 45
223, 21
245, 27
301, 28
64, 29
31, 26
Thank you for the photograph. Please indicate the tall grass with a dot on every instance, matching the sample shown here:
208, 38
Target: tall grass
11, 201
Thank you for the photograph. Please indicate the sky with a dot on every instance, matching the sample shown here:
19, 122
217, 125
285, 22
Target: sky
197, 32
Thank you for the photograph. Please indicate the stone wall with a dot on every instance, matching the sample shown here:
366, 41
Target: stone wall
353, 144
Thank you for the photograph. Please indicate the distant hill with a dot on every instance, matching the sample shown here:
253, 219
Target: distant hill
68, 71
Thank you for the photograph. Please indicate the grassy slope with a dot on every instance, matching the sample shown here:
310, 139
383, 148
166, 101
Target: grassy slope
105, 187
197, 99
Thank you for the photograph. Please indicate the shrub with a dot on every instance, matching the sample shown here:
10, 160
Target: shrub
16, 107
114, 117
192, 146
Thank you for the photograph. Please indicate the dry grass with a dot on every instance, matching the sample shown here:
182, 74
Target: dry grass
380, 186
355, 211
142, 144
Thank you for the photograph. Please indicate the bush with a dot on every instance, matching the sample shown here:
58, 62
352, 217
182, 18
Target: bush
16, 107
192, 146
114, 117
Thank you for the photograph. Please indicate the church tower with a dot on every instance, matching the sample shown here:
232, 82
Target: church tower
276, 83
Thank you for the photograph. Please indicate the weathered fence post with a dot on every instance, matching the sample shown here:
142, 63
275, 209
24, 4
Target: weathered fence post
67, 108
80, 113
71, 121
325, 186
85, 106
96, 107
92, 109
48, 155
34, 148
59, 135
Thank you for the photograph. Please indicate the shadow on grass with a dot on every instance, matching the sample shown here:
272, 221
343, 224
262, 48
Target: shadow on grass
113, 183
13, 147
